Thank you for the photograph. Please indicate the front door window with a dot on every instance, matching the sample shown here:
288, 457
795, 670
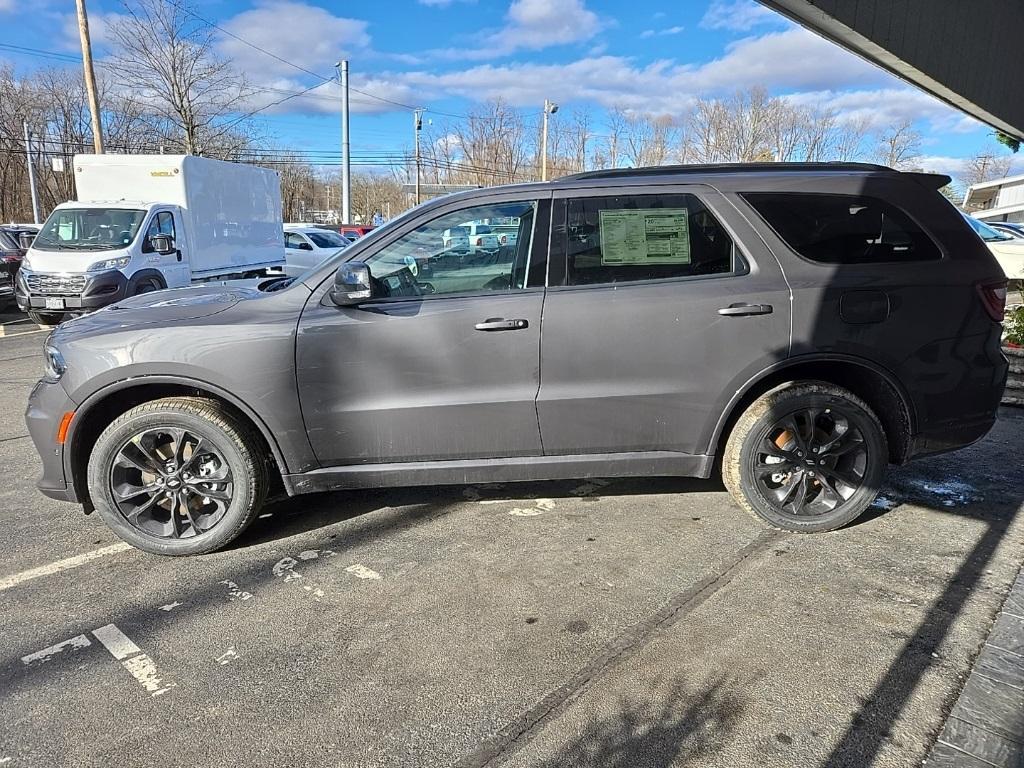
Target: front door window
475, 250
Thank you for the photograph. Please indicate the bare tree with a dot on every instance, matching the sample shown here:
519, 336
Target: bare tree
899, 145
985, 166
166, 56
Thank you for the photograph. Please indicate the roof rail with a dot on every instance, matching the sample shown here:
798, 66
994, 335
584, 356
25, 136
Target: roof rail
672, 170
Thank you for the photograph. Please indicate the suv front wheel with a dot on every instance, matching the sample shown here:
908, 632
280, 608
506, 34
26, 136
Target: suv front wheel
806, 458
178, 476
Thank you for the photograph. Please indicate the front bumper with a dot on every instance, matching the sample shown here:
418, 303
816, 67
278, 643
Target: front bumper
47, 405
77, 293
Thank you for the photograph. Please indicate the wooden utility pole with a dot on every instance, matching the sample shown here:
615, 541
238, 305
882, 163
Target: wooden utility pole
90, 77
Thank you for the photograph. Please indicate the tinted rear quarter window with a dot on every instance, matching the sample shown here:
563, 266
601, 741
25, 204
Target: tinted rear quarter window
843, 229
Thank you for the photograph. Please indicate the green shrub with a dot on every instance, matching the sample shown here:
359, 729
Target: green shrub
1014, 325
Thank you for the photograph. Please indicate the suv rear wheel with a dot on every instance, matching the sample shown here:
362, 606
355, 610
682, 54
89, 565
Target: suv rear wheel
178, 476
807, 458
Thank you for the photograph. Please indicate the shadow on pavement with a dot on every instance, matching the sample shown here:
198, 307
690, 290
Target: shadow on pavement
680, 730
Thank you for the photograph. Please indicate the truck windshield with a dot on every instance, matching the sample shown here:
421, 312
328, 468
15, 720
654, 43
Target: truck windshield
89, 229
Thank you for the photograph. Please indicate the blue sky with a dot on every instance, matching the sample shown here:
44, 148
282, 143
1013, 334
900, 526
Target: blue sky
652, 56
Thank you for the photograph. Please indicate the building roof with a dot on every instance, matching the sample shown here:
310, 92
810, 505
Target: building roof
1006, 180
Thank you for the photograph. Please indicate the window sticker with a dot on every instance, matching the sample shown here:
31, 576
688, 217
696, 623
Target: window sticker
654, 236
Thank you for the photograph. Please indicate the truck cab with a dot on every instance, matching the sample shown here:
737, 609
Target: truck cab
149, 222
89, 255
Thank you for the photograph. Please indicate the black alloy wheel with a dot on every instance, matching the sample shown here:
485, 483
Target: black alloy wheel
810, 461
807, 457
170, 482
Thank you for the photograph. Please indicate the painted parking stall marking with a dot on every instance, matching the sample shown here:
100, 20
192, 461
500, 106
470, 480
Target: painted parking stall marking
73, 644
61, 565
138, 664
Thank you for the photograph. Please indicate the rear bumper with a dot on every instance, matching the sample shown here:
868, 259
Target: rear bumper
47, 405
100, 289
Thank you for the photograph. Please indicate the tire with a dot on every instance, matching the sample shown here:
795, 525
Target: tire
44, 318
215, 492
774, 470
149, 285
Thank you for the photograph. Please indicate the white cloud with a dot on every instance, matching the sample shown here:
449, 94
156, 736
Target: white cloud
738, 15
99, 31
304, 34
956, 166
532, 25
660, 32
778, 61
889, 105
6, 6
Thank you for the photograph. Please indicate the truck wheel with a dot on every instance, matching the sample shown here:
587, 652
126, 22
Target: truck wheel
44, 318
807, 458
178, 476
149, 285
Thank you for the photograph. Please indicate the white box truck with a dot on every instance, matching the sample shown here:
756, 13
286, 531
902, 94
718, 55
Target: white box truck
148, 222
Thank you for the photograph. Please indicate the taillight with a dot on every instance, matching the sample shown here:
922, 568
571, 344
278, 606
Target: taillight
993, 298
479, 241
10, 257
504, 239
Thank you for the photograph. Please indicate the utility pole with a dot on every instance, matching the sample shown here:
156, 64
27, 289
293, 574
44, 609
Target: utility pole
549, 109
31, 174
346, 181
418, 126
90, 77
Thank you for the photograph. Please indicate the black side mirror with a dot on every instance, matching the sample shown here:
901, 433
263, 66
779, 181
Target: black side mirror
305, 247
25, 240
161, 243
352, 284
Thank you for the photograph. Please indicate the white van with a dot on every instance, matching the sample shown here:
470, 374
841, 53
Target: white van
147, 222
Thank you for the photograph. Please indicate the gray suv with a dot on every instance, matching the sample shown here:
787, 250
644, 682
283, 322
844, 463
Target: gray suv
796, 326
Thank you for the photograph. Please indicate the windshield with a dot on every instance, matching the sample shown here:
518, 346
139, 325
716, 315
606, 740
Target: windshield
89, 229
7, 242
985, 232
327, 239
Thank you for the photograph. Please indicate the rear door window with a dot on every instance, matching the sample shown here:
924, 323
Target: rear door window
627, 238
843, 229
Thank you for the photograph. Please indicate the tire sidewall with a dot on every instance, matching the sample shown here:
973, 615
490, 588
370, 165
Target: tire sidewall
110, 443
849, 510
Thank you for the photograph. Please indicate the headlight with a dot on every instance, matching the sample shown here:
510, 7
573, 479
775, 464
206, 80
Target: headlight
25, 263
54, 365
117, 263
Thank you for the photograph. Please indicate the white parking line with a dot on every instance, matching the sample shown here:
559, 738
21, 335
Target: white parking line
4, 334
61, 565
138, 664
74, 644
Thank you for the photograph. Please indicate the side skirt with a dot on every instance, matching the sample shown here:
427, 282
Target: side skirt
525, 468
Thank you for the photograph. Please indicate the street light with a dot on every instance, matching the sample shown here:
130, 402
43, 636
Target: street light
549, 109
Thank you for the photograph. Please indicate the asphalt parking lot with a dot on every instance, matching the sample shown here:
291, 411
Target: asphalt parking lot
621, 623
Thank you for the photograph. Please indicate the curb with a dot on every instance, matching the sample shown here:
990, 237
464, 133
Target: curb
1014, 393
986, 726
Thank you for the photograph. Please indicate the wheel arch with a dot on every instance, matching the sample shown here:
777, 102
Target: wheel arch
144, 274
870, 382
98, 410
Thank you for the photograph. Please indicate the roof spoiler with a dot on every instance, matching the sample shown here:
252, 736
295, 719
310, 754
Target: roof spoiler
931, 180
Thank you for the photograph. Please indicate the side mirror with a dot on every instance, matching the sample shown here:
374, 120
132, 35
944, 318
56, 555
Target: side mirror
352, 284
162, 243
305, 247
25, 240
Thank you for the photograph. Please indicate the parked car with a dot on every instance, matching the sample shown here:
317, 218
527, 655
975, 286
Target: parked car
305, 247
1008, 250
1015, 231
143, 223
799, 325
13, 244
354, 229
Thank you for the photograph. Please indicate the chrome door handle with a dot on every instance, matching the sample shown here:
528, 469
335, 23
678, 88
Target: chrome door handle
501, 324
740, 310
